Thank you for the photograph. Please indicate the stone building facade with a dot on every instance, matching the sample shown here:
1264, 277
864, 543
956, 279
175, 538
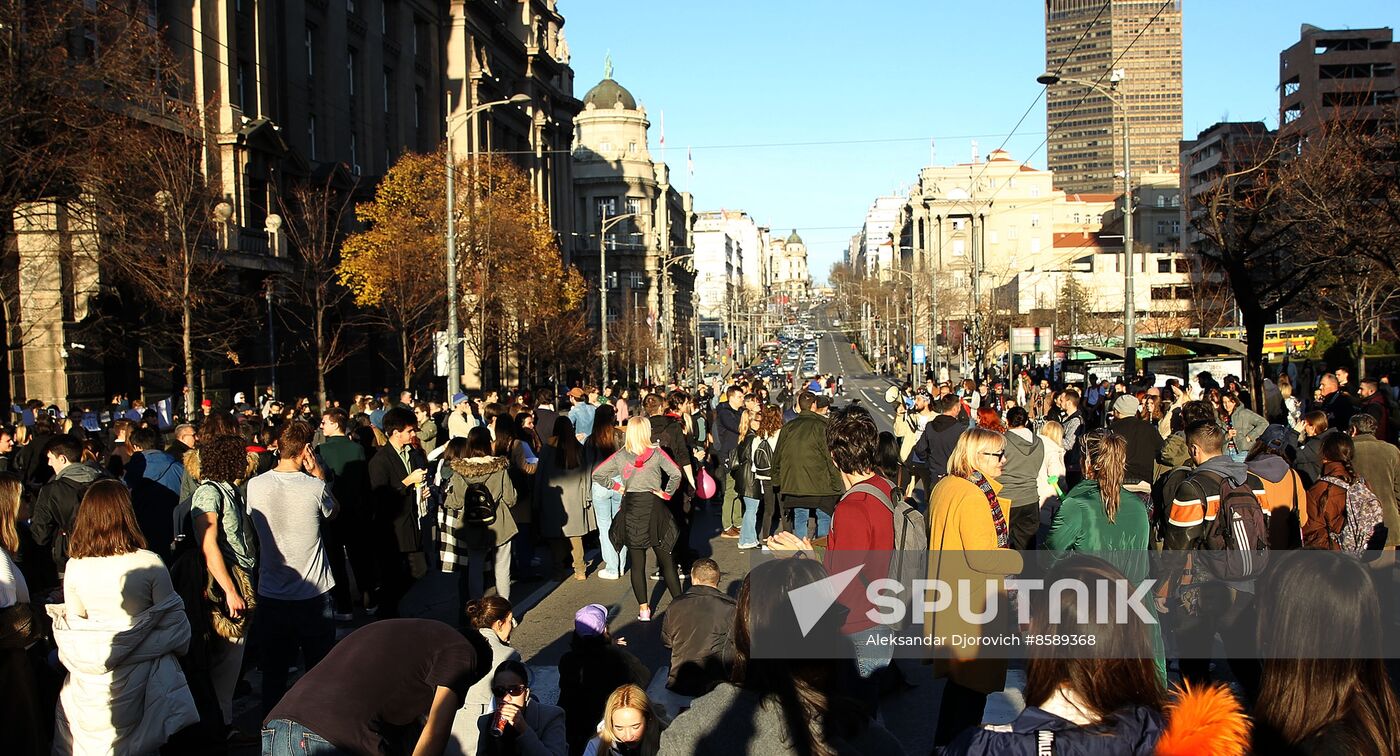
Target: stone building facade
615, 176
309, 88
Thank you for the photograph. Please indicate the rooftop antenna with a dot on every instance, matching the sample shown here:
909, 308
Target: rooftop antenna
933, 152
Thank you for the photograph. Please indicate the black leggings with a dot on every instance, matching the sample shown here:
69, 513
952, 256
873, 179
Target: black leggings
637, 565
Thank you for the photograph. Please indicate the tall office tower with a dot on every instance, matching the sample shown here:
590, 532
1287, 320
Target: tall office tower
1086, 40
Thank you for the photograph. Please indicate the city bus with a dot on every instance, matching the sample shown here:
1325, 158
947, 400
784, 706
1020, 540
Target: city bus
1279, 338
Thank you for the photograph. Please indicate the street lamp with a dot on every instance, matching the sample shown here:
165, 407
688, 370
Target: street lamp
1129, 314
604, 224
667, 306
454, 367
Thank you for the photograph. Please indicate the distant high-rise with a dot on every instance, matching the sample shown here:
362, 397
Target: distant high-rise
1085, 143
1347, 76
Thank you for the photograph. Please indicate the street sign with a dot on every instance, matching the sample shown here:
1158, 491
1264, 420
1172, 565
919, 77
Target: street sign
920, 354
1032, 339
440, 353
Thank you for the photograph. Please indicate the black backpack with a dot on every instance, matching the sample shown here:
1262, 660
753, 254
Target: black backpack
478, 505
763, 459
1236, 542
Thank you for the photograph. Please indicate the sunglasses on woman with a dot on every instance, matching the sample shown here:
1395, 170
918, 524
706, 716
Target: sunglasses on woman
998, 454
513, 690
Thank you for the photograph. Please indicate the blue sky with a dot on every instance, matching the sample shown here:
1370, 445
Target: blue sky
804, 112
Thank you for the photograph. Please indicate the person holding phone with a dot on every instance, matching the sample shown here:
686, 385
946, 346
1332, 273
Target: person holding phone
289, 505
396, 476
519, 725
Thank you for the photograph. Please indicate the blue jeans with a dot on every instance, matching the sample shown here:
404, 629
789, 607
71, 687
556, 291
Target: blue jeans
283, 737
606, 502
871, 652
286, 627
799, 522
748, 528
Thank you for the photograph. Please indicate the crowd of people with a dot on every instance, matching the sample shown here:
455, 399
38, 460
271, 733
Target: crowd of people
144, 572
1192, 472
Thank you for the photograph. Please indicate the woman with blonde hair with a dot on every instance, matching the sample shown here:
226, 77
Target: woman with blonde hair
647, 477
631, 725
970, 540
118, 634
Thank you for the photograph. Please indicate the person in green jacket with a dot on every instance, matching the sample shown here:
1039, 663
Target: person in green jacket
1102, 517
1099, 514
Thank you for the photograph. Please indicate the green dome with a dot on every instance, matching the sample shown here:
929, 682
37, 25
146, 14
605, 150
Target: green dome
607, 94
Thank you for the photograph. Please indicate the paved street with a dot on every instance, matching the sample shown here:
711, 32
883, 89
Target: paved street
547, 619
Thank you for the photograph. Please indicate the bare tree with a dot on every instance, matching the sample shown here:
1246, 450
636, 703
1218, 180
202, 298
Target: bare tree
1248, 232
316, 214
162, 214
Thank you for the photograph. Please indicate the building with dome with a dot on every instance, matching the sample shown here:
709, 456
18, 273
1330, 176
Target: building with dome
787, 271
647, 253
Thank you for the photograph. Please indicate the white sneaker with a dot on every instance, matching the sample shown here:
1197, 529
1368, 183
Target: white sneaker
747, 546
606, 574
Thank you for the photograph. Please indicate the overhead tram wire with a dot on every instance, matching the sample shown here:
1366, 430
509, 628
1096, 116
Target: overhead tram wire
263, 74
1040, 94
1090, 90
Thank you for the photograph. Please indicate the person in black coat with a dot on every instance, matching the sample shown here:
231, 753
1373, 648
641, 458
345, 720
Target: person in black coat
397, 475
697, 630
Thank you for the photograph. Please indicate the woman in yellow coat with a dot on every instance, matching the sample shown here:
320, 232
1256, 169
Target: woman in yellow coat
969, 546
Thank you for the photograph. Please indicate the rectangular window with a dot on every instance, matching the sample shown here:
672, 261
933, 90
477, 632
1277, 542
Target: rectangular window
1183, 265
1164, 265
1035, 245
957, 224
1035, 220
311, 136
1013, 232
349, 6
606, 207
310, 45
992, 237
388, 90
632, 148
245, 87
1161, 200
384, 18
634, 206
350, 71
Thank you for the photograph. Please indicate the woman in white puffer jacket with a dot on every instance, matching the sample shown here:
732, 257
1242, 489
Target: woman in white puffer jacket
119, 631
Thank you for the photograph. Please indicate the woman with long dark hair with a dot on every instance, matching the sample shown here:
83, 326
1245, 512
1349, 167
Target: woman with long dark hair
562, 483
791, 689
1324, 688
1330, 524
479, 467
607, 438
1110, 699
516, 446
